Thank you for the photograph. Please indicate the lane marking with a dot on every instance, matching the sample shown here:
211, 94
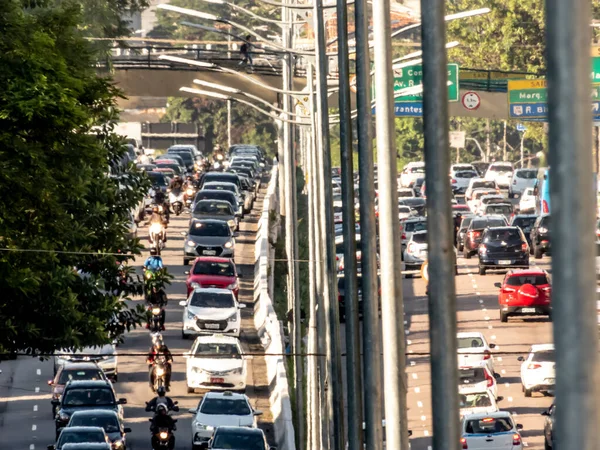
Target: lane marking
406, 331
417, 390
510, 399
503, 372
478, 294
499, 358
410, 351
415, 376
39, 372
33, 427
423, 418
507, 385
480, 301
493, 337
426, 433
37, 389
32, 447
420, 404
412, 363
484, 309
490, 327
487, 317
35, 407
408, 342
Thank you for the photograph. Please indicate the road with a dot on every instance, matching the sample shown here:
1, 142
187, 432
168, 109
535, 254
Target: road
25, 411
477, 310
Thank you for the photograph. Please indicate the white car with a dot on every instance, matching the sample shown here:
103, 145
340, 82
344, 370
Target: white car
454, 168
409, 226
493, 431
208, 311
416, 251
411, 172
404, 212
216, 362
501, 173
218, 409
477, 376
527, 202
487, 200
406, 193
475, 200
460, 180
337, 212
475, 400
473, 349
521, 180
538, 370
105, 356
480, 183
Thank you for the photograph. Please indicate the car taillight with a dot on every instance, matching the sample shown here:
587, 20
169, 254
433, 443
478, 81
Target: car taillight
410, 247
545, 208
482, 248
490, 380
474, 234
533, 366
487, 355
516, 439
507, 290
403, 235
524, 246
453, 181
463, 442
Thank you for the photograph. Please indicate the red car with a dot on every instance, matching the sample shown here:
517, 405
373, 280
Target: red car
211, 272
524, 293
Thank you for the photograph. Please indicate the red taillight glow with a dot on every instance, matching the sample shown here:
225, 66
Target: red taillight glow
403, 235
524, 246
488, 419
516, 439
533, 366
507, 290
463, 442
545, 208
487, 355
453, 181
490, 383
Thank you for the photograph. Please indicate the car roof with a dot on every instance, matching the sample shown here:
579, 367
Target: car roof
74, 429
80, 365
221, 338
195, 220
226, 394
416, 219
213, 290
467, 334
88, 384
240, 430
475, 390
215, 259
524, 216
541, 347
530, 271
95, 413
490, 217
419, 232
504, 228
495, 415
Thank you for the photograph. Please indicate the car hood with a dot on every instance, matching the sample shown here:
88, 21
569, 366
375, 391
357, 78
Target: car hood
482, 409
104, 350
213, 216
225, 420
211, 280
212, 313
219, 364
71, 409
209, 240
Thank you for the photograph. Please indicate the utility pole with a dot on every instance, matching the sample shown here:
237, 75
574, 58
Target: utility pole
573, 221
392, 307
229, 123
504, 144
488, 144
522, 149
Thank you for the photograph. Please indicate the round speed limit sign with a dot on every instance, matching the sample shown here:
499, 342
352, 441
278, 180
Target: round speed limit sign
471, 100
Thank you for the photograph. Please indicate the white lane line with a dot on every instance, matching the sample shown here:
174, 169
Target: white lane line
33, 427
503, 372
484, 309
514, 413
490, 327
32, 447
507, 385
525, 444
475, 286
406, 331
417, 390
423, 418
412, 363
39, 372
420, 404
487, 317
470, 274
480, 301
35, 407
510, 399
410, 351
478, 294
37, 389
426, 433
408, 342
429, 447
499, 358
497, 347
415, 376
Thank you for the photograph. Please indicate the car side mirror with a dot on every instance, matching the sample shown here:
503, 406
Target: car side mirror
50, 382
241, 306
122, 401
258, 413
182, 303
520, 358
497, 376
519, 426
187, 272
126, 430
499, 399
492, 345
498, 285
192, 410
409, 433
239, 275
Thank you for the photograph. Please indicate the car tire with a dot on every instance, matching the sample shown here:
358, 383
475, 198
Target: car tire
538, 253
503, 317
546, 445
527, 393
482, 270
115, 377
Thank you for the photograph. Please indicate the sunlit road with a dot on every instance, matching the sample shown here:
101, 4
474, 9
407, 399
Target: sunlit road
26, 421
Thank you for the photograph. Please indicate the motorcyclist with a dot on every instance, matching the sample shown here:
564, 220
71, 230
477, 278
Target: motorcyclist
176, 184
157, 217
158, 297
154, 262
218, 157
160, 199
457, 222
161, 399
156, 352
162, 420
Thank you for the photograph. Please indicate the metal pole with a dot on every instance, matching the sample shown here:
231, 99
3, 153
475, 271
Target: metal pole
372, 361
442, 298
353, 366
573, 224
335, 386
522, 153
229, 123
488, 145
504, 144
392, 308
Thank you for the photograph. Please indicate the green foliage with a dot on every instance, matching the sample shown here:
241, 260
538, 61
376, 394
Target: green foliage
65, 202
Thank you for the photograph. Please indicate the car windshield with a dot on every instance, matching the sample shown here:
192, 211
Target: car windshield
406, 193
544, 356
221, 186
238, 440
81, 374
489, 425
413, 201
157, 178
476, 400
420, 238
76, 436
520, 280
216, 350
186, 156
469, 174
220, 229
501, 168
481, 224
224, 269
212, 300
417, 170
471, 376
470, 342
410, 227
502, 234
524, 222
213, 208
110, 423
225, 406
88, 397
484, 184
499, 209
526, 174
465, 223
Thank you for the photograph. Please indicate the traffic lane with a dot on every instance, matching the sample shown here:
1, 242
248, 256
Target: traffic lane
476, 301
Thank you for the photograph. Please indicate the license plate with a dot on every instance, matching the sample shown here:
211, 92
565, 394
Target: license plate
209, 252
211, 326
528, 310
217, 380
505, 262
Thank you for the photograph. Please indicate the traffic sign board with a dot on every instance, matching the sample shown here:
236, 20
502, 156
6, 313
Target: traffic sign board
596, 69
471, 100
410, 76
406, 109
521, 127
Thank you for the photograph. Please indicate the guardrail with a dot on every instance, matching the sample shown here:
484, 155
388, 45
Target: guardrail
268, 326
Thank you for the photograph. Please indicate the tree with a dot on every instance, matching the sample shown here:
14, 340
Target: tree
65, 190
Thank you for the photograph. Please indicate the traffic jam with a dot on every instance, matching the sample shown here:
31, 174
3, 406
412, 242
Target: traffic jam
214, 195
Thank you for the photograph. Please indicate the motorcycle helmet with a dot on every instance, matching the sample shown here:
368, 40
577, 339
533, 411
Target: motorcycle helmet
155, 209
153, 251
157, 340
161, 391
161, 407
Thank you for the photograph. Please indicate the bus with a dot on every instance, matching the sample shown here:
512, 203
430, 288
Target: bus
541, 190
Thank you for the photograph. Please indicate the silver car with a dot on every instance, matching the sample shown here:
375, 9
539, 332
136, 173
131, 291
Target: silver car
105, 356
208, 237
521, 180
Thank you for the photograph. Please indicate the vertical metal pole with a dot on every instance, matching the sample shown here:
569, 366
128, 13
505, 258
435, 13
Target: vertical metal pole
372, 361
392, 307
229, 123
335, 387
522, 152
573, 216
442, 298
488, 145
504, 144
353, 366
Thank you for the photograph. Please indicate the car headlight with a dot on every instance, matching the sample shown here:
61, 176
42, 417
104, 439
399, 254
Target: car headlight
228, 244
118, 444
190, 243
195, 285
201, 426
62, 416
231, 223
543, 230
232, 286
191, 315
196, 369
233, 317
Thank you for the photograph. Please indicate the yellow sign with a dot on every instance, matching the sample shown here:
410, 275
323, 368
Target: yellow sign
595, 50
466, 74
526, 84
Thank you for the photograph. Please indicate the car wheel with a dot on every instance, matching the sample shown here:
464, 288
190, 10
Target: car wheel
537, 253
503, 317
546, 445
527, 392
115, 377
481, 270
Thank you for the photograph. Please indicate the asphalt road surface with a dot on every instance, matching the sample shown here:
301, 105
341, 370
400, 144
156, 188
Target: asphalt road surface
26, 421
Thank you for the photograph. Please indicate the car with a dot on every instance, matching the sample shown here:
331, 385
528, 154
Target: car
480, 183
409, 226
337, 212
217, 409
538, 370
73, 371
473, 349
540, 237
231, 187
416, 251
218, 210
406, 193
404, 212
419, 182
170, 158
109, 421
475, 231
460, 209
481, 167
248, 192
80, 435
410, 173
488, 199
211, 310
220, 177
505, 209
475, 200
170, 164
213, 272
208, 237
525, 223
550, 415
339, 250
475, 400
460, 180
501, 173
491, 431
521, 180
187, 155
219, 194
87, 395
462, 231
416, 204
216, 362
454, 168
527, 201
87, 446
477, 376
502, 247
105, 356
239, 438
524, 293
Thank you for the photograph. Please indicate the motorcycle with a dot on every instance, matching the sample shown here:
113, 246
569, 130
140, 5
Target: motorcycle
163, 401
190, 193
160, 374
176, 199
163, 439
154, 322
156, 236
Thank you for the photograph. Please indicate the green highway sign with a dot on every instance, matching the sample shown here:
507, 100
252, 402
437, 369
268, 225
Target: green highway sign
596, 69
410, 76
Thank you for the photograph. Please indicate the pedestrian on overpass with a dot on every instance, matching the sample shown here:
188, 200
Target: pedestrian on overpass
245, 51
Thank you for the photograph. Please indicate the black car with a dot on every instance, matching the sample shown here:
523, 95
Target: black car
216, 194
549, 427
72, 371
475, 232
208, 237
503, 247
87, 446
240, 438
86, 395
540, 237
462, 231
109, 421
481, 167
186, 155
79, 435
159, 180
163, 164
220, 177
216, 209
524, 222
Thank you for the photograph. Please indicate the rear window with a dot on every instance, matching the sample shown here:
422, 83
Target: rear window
337, 209
501, 168
470, 342
481, 224
223, 269
526, 174
536, 280
484, 184
545, 356
209, 229
465, 223
406, 193
489, 425
470, 174
415, 226
471, 376
420, 238
508, 235
86, 374
524, 222
475, 400
417, 170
